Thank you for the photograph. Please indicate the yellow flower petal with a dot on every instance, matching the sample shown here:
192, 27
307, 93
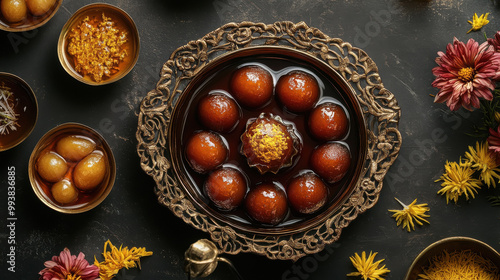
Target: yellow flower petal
458, 180
366, 268
478, 22
411, 214
118, 258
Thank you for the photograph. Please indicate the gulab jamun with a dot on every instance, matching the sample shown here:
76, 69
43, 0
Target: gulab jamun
226, 188
90, 171
331, 161
267, 203
64, 192
298, 91
328, 121
40, 7
74, 147
252, 86
14, 10
205, 151
269, 144
307, 193
218, 112
51, 167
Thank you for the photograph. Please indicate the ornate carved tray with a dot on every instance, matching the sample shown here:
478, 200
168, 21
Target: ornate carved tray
379, 106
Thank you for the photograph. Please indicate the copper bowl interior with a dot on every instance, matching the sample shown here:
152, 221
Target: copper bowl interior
122, 19
47, 140
299, 58
31, 22
26, 106
451, 244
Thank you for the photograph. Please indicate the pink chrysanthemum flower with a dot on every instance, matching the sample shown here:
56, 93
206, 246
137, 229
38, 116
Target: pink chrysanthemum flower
466, 73
69, 267
495, 42
494, 142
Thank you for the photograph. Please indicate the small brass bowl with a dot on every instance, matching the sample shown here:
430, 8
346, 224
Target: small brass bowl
86, 200
31, 22
25, 106
123, 22
451, 244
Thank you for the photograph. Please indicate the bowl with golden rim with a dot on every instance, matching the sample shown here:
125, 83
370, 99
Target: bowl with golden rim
82, 57
26, 15
450, 245
18, 111
169, 117
72, 168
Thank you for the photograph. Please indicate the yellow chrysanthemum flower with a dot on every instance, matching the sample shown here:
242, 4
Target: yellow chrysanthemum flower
367, 268
482, 161
457, 181
410, 213
478, 22
118, 258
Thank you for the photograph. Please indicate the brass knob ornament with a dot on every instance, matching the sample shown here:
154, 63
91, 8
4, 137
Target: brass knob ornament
201, 259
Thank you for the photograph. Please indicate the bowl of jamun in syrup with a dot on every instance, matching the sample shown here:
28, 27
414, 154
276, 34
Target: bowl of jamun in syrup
25, 15
72, 168
268, 140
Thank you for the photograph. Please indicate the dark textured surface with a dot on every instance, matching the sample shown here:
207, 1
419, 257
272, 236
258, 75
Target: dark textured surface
402, 37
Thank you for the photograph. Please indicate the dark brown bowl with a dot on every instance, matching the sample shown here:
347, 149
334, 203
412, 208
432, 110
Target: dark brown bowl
31, 22
182, 124
26, 106
451, 244
42, 189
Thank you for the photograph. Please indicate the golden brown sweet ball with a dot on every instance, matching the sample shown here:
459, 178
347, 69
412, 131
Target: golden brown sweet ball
51, 167
64, 192
90, 171
331, 161
226, 188
267, 203
13, 10
205, 151
218, 112
328, 121
252, 86
75, 147
298, 91
268, 144
307, 193
40, 7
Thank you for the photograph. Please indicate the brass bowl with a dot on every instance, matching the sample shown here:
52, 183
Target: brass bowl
42, 188
123, 21
378, 106
31, 22
284, 59
451, 244
26, 106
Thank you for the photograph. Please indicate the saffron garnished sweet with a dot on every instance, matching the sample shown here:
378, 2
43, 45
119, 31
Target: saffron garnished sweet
269, 144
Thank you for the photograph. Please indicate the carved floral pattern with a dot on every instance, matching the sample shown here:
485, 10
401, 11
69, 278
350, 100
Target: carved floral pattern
379, 106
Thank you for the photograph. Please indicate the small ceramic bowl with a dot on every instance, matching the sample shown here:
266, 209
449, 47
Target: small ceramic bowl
25, 106
123, 22
86, 199
451, 244
31, 21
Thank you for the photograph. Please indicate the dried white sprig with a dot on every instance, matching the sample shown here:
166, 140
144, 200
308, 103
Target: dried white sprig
8, 117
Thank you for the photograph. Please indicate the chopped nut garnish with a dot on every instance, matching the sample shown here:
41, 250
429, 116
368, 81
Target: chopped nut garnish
97, 47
